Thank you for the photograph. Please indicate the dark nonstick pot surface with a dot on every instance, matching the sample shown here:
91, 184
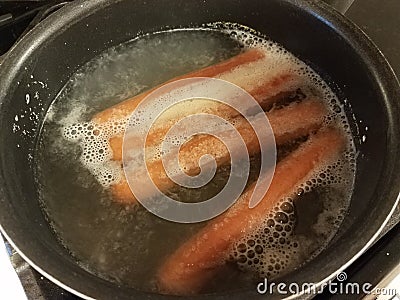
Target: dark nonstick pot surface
313, 32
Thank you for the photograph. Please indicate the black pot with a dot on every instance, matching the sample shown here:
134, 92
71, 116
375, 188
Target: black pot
311, 30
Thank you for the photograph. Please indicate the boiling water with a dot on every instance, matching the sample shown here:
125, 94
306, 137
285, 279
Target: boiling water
127, 244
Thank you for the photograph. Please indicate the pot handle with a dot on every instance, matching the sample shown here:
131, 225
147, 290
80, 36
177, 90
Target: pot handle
44, 12
340, 5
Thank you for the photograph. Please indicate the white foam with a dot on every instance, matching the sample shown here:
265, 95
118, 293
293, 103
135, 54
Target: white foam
268, 250
96, 151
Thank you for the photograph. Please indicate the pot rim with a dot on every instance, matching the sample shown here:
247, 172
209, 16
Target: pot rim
77, 10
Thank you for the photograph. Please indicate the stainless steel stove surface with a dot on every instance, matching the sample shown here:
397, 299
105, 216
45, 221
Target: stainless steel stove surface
379, 266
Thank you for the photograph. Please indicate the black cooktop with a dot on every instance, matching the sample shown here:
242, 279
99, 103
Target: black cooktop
380, 19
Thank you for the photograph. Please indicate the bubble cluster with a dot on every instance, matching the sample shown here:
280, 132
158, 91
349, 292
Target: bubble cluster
269, 249
273, 248
96, 150
333, 174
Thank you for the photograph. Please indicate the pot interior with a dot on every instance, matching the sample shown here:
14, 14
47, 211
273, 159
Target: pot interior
43, 62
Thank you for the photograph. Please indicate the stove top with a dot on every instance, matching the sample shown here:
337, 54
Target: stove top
379, 19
